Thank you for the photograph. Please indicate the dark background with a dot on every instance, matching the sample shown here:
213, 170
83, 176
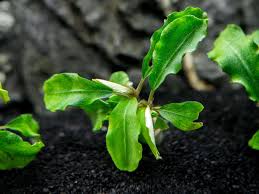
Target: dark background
96, 37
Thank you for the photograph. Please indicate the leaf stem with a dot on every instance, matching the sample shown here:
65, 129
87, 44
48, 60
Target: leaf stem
151, 97
2, 127
140, 86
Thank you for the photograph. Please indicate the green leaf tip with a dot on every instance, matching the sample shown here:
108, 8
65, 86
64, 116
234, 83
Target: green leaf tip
14, 151
237, 55
254, 141
4, 94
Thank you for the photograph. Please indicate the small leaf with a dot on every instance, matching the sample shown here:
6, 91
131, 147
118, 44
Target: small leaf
122, 137
120, 77
98, 112
255, 37
161, 124
237, 55
178, 38
69, 89
147, 129
25, 124
16, 153
4, 94
182, 115
117, 88
146, 65
254, 141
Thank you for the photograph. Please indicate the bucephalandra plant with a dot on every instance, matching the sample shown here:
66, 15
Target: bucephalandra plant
131, 120
15, 152
238, 56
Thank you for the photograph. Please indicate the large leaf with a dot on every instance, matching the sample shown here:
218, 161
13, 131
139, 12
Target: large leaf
4, 94
122, 137
98, 112
147, 129
238, 56
178, 38
254, 141
25, 124
69, 89
16, 153
146, 65
182, 115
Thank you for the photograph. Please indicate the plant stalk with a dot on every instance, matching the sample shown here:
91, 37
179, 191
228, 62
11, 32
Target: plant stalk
151, 97
2, 127
140, 86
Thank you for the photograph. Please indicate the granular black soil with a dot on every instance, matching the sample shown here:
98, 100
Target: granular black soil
214, 159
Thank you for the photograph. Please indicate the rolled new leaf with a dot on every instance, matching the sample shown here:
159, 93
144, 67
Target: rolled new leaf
182, 115
69, 89
238, 56
147, 129
122, 136
14, 151
4, 94
189, 11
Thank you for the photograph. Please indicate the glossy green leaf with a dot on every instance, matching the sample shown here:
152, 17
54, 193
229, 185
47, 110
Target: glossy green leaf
237, 55
161, 124
98, 112
182, 115
122, 136
146, 65
69, 89
4, 94
178, 38
254, 141
147, 129
16, 153
120, 77
25, 124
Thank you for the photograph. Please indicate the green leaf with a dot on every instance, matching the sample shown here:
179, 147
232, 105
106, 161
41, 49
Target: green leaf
4, 94
178, 38
146, 65
147, 129
120, 77
254, 141
69, 89
25, 124
161, 124
255, 37
16, 153
182, 115
98, 112
237, 55
122, 137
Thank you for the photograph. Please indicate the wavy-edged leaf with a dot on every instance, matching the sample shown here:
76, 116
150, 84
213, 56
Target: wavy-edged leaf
69, 89
122, 136
98, 112
254, 141
182, 115
25, 124
120, 77
237, 55
16, 153
178, 38
146, 64
4, 94
147, 129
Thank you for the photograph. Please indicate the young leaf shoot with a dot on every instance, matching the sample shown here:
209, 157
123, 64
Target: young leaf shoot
238, 56
133, 121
